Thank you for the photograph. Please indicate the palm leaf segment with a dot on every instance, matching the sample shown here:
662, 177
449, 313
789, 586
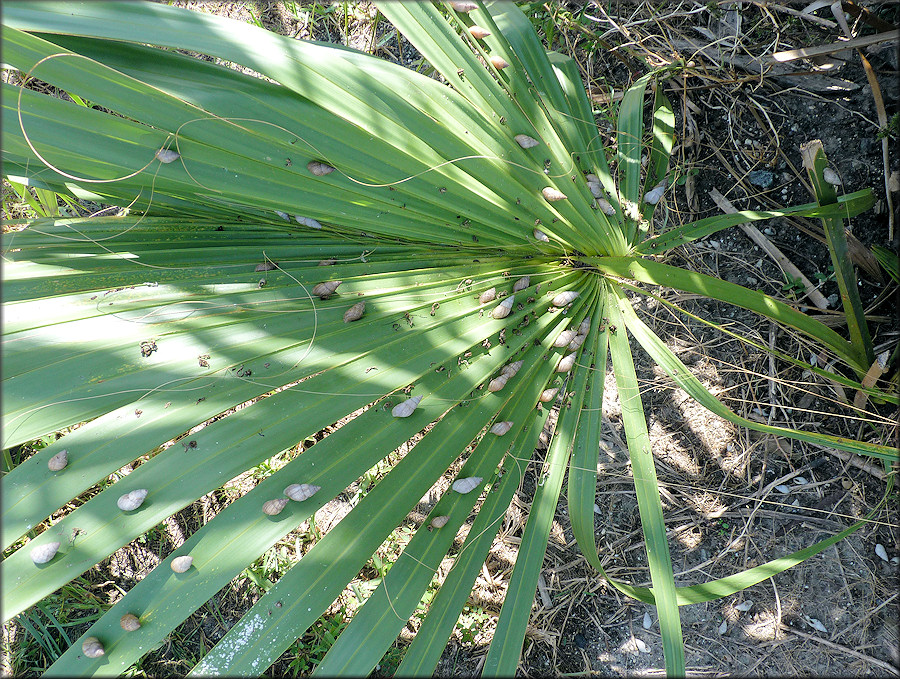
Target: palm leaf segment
419, 199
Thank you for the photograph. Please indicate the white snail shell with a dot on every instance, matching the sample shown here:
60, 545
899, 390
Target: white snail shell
552, 195
167, 155
565, 364
831, 177
522, 283
326, 289
564, 338
467, 485
181, 564
308, 221
606, 207
502, 310
355, 312
541, 236
283, 215
479, 32
577, 342
45, 552
585, 327
500, 428
596, 190
510, 369
92, 647
549, 394
461, 6
564, 298
652, 197
129, 622
498, 62
487, 296
406, 408
274, 507
525, 141
131, 501
59, 461
439, 521
319, 168
498, 383
301, 491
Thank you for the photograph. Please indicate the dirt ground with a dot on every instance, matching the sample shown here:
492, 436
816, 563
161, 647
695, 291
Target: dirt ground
733, 499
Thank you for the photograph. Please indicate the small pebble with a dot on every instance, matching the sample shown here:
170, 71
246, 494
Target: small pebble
761, 178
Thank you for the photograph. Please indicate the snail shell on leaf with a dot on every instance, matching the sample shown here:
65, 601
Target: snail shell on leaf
564, 338
131, 501
59, 461
129, 622
498, 62
595, 189
167, 155
511, 369
541, 236
327, 262
525, 141
652, 197
606, 207
299, 492
549, 394
319, 168
500, 428
439, 521
487, 296
831, 177
479, 32
577, 342
283, 215
326, 289
274, 507
406, 408
267, 266
522, 283
308, 221
552, 195
461, 6
181, 564
565, 364
467, 485
502, 310
355, 312
45, 552
585, 327
498, 383
564, 298
92, 647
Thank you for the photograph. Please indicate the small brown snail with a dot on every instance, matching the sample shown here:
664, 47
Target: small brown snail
564, 298
503, 309
355, 312
487, 296
319, 168
498, 62
92, 647
129, 622
439, 521
564, 338
326, 289
552, 195
463, 6
522, 283
500, 428
525, 141
479, 32
301, 491
498, 383
131, 501
565, 364
274, 507
510, 369
541, 236
59, 461
549, 394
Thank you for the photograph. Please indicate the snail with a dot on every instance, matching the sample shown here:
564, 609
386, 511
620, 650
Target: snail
525, 141
129, 622
541, 236
522, 283
552, 195
131, 501
479, 32
576, 342
565, 364
59, 461
502, 310
831, 177
461, 6
606, 207
595, 189
308, 221
406, 408
498, 62
564, 338
268, 266
283, 215
548, 394
326, 289
467, 485
167, 155
439, 521
274, 507
299, 492
45, 552
585, 327
92, 647
319, 168
510, 369
327, 262
500, 428
355, 312
498, 383
487, 296
181, 564
564, 298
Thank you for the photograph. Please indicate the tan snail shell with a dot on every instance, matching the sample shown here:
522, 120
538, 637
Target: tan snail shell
92, 647
503, 309
439, 521
274, 507
167, 155
181, 564
577, 342
510, 369
525, 141
299, 492
355, 312
548, 394
552, 195
308, 221
500, 428
59, 461
606, 207
498, 383
326, 289
463, 6
467, 485
595, 189
45, 552
406, 408
565, 364
522, 283
652, 197
487, 296
564, 298
541, 236
131, 501
129, 622
564, 338
319, 168
498, 62
479, 32
585, 327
